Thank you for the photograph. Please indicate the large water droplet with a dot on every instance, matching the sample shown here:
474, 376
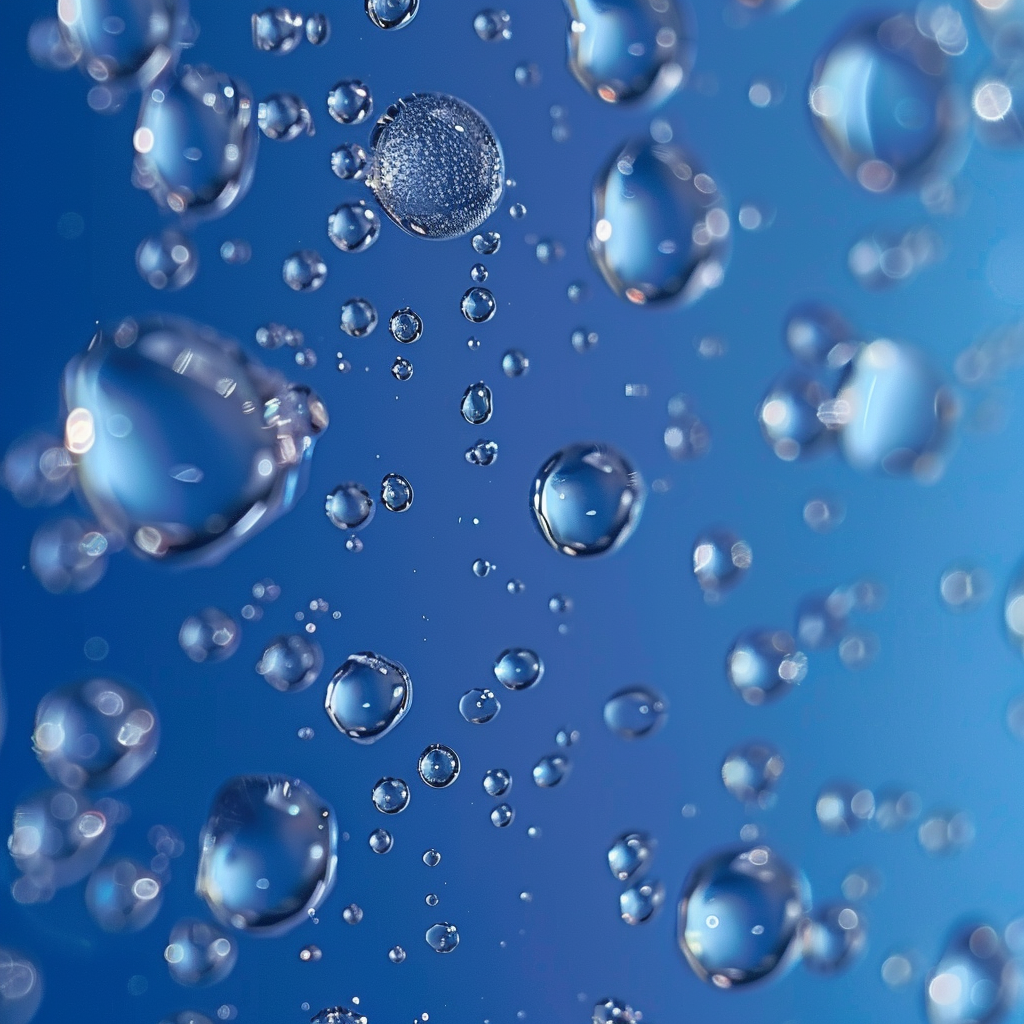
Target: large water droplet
833, 937
183, 445
763, 664
634, 712
368, 696
391, 13
660, 230
750, 773
975, 980
438, 171
626, 50
291, 663
268, 853
739, 915
123, 896
199, 953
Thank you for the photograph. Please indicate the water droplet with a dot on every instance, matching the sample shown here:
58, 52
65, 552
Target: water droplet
823, 515
686, 437
895, 808
368, 696
502, 816
276, 30
497, 782
405, 326
789, 419
975, 979
477, 404
479, 706
337, 1015
762, 665
583, 340
439, 766
635, 712
381, 840
358, 318
98, 733
305, 732
391, 14
841, 808
353, 227
882, 103
352, 914
283, 116
551, 770
750, 773
630, 854
483, 453
641, 901
390, 796
167, 261
998, 104
614, 1011
268, 853
443, 937
37, 470
963, 588
660, 230
291, 663
818, 336
487, 243
209, 635
350, 507
122, 896
587, 499
833, 937
199, 954
437, 169
528, 75
310, 953
739, 915
304, 271
235, 251
396, 954
630, 50
68, 555
478, 273
943, 833
515, 586
883, 259
431, 858
401, 369
821, 619
50, 47
396, 493
481, 567
518, 668
720, 560
515, 363
492, 26
348, 161
350, 102
138, 984
478, 305
517, 211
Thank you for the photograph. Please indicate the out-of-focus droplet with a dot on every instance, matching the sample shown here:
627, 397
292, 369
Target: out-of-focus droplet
660, 230
350, 102
50, 47
291, 663
583, 340
819, 336
751, 772
352, 914
497, 782
762, 665
310, 953
368, 696
629, 855
196, 141
209, 635
687, 436
353, 227
199, 953
825, 514
438, 766
304, 271
963, 588
276, 30
739, 915
1013, 611
614, 1011
974, 981
99, 734
391, 796
895, 808
720, 560
479, 706
515, 363
998, 104
884, 259
833, 937
492, 26
788, 416
350, 507
37, 470
551, 770
390, 14
358, 317
437, 170
518, 668
68, 555
628, 50
635, 712
318, 29
235, 252
283, 116
943, 833
267, 853
21, 987
396, 493
1002, 24
528, 75
167, 261
123, 896
587, 499
882, 103
841, 808
641, 901
443, 937
821, 619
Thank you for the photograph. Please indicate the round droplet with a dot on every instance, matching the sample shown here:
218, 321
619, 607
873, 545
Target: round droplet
276, 30
431, 899
68, 555
478, 273
353, 227
310, 953
963, 588
629, 855
587, 499
943, 833
479, 706
405, 326
283, 116
391, 796
235, 252
209, 635
395, 954
396, 493
528, 75
502, 816
443, 937
635, 712
818, 336
789, 416
477, 404
975, 980
841, 808
833, 937
998, 104
350, 507
720, 560
478, 305
37, 470
350, 102
762, 665
352, 914
895, 808
401, 369
492, 25
483, 453
99, 734
583, 340
738, 916
167, 261
199, 954
518, 668
381, 840
123, 896
291, 663
487, 243
641, 901
660, 230
821, 619
368, 696
183, 445
481, 567
21, 987
515, 363
391, 14
437, 171
358, 318
348, 161
439, 766
431, 858
750, 773
882, 103
551, 770
497, 782
304, 271
267, 853
318, 29
517, 211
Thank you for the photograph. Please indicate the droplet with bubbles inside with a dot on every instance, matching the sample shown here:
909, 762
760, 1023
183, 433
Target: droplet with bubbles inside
368, 696
479, 706
391, 796
439, 766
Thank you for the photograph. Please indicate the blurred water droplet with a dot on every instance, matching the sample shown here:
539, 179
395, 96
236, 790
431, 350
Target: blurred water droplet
789, 418
235, 252
209, 635
762, 665
318, 29
123, 896
352, 914
945, 832
821, 618
823, 515
641, 901
551, 770
528, 75
276, 30
368, 696
630, 854
199, 954
37, 470
751, 772
635, 712
974, 980
291, 663
515, 363
884, 258
841, 808
492, 26
50, 47
283, 116
833, 937
304, 271
167, 261
720, 560
21, 987
350, 102
963, 588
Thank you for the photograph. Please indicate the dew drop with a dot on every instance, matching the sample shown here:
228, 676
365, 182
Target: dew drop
443, 937
381, 840
405, 326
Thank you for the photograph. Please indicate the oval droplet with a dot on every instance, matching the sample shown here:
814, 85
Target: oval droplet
368, 696
291, 663
635, 712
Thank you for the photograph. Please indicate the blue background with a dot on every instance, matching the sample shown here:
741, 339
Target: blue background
929, 711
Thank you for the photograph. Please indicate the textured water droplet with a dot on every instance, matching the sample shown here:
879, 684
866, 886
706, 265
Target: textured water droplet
358, 318
318, 29
291, 663
438, 766
437, 170
390, 14
974, 981
368, 696
720, 560
515, 363
479, 706
396, 493
487, 243
478, 305
167, 261
502, 816
276, 30
350, 507
401, 369
762, 665
833, 937
352, 914
122, 896
442, 937
268, 853
483, 453
209, 635
349, 161
497, 782
353, 227
551, 770
750, 773
390, 796
381, 840
283, 116
477, 404
405, 325
350, 102
478, 273
641, 901
629, 855
635, 712
199, 953
304, 271
518, 668
492, 26
396, 955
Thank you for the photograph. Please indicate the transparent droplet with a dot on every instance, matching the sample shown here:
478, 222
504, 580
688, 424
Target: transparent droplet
381, 840
614, 1011
353, 227
517, 211
167, 261
122, 896
431, 858
825, 514
789, 419
720, 560
641, 901
199, 954
391, 14
841, 808
50, 47
437, 170
391, 796
551, 770
318, 29
943, 833
443, 937
492, 25
209, 635
481, 567
487, 243
502, 816
833, 937
396, 954
821, 619
236, 251
739, 915
479, 706
587, 499
291, 663
304, 271
630, 854
276, 30
497, 782
358, 317
583, 340
396, 493
478, 305
963, 588
883, 259
478, 272
350, 102
438, 766
37, 470
477, 404
974, 980
68, 555
483, 453
349, 161
635, 712
762, 665
895, 808
352, 914
401, 369
337, 1015
515, 586
405, 326
21, 987
750, 773
350, 507
528, 74
998, 105
368, 696
283, 116
267, 853
515, 363
818, 336
518, 668
310, 953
